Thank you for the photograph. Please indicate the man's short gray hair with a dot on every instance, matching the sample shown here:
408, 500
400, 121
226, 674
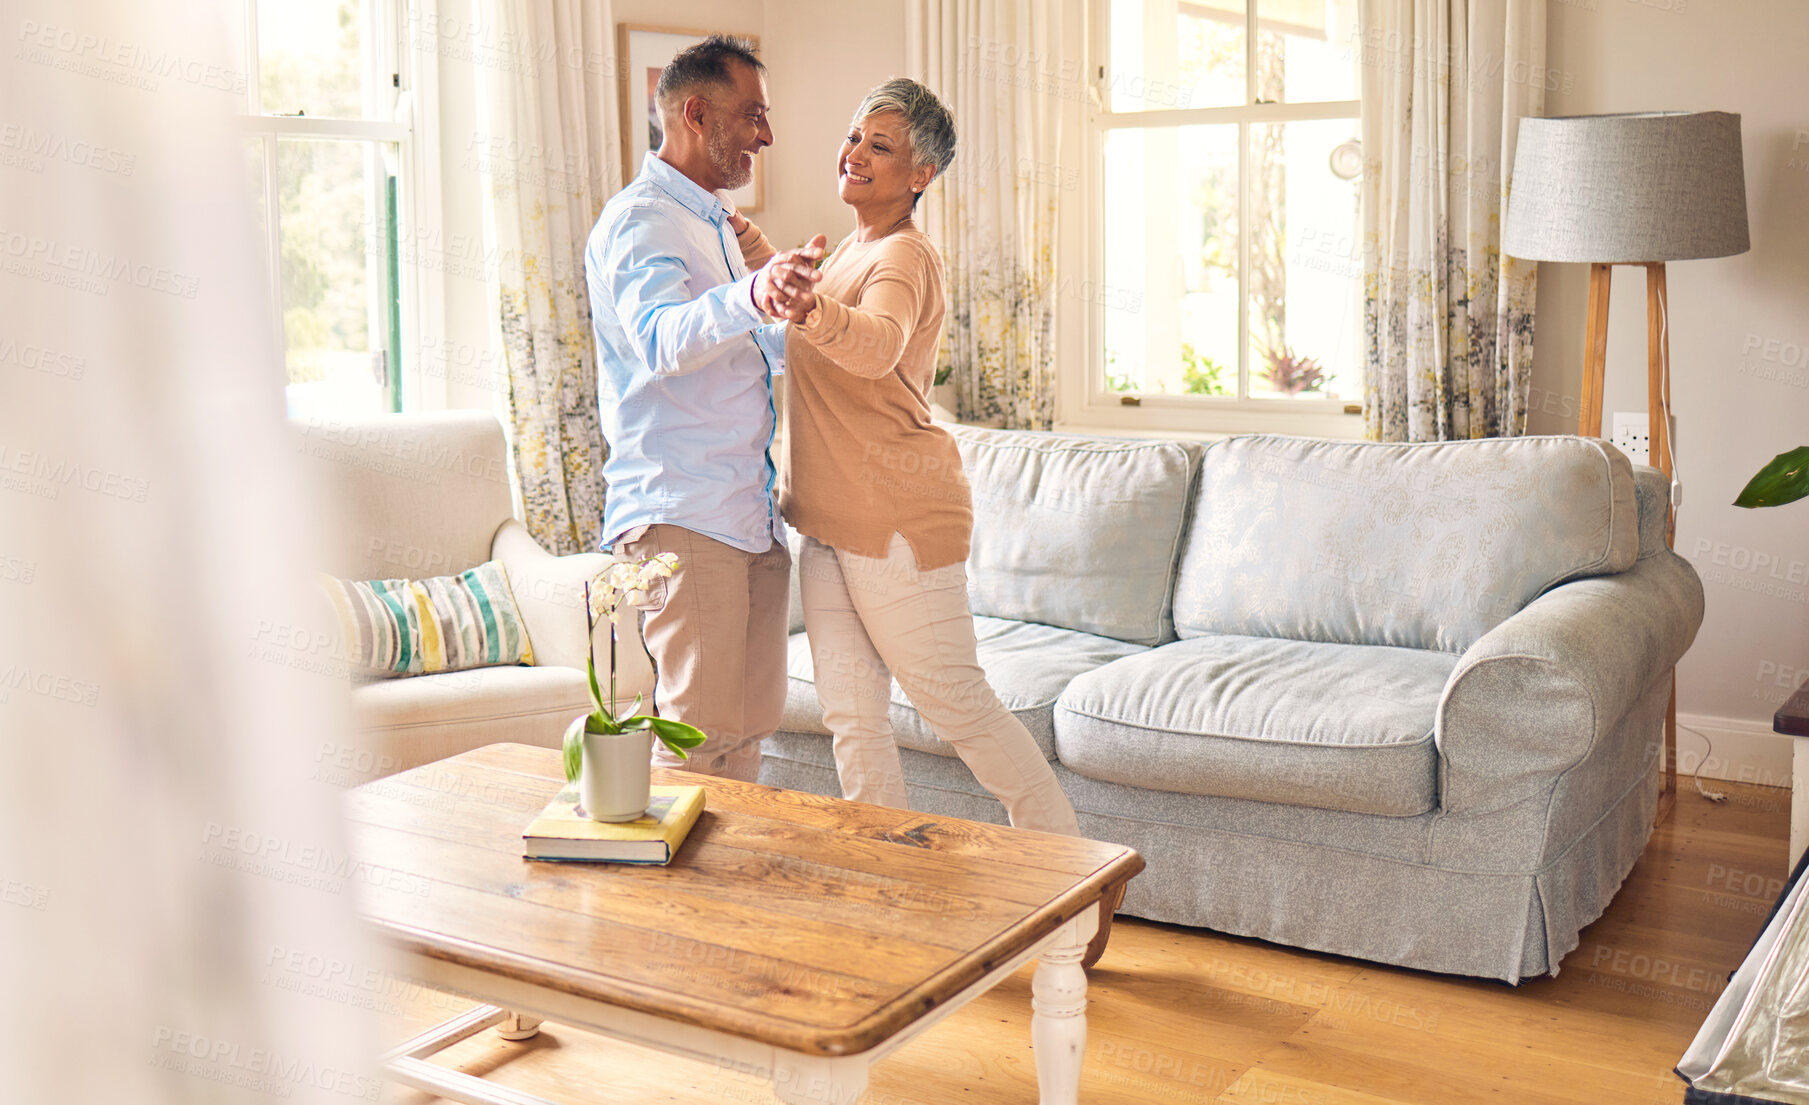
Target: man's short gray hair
929, 125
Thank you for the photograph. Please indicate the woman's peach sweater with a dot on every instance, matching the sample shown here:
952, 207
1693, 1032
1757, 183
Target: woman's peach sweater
860, 458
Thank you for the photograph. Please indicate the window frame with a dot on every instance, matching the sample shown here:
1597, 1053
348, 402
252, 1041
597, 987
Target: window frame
1095, 404
413, 70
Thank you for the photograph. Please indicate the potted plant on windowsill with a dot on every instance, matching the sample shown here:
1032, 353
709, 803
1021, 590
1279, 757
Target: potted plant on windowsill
609, 757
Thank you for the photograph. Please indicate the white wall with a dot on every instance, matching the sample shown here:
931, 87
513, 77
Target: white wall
822, 57
1734, 408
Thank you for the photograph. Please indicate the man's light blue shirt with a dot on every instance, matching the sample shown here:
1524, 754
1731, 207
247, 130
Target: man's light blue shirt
684, 366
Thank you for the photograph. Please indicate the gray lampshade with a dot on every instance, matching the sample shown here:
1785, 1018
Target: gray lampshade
1655, 186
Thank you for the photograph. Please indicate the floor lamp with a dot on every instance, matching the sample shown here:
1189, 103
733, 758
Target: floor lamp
1638, 189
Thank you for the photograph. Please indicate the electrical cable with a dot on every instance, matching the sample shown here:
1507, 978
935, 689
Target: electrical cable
1664, 406
1711, 795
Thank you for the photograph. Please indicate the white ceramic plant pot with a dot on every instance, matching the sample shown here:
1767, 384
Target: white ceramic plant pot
613, 781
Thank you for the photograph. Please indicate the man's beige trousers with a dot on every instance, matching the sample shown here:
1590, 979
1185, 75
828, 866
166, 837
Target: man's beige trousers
716, 631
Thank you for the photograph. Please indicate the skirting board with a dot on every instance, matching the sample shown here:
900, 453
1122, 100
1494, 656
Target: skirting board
1743, 751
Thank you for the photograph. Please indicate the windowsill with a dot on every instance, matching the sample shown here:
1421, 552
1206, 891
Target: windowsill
1168, 416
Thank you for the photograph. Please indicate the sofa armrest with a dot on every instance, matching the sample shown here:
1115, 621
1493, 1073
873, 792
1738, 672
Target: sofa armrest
1535, 695
549, 591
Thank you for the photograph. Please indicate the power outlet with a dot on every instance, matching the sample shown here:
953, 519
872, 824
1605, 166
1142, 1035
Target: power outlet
1633, 436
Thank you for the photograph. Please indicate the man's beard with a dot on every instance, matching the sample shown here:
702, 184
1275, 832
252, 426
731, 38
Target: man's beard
727, 160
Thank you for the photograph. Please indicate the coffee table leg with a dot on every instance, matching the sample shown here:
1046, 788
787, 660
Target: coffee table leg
517, 1027
1058, 1021
818, 1080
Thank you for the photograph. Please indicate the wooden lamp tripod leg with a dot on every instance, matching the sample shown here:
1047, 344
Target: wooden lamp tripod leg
1595, 352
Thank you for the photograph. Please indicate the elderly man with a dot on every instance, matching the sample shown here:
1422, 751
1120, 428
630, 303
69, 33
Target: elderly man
686, 356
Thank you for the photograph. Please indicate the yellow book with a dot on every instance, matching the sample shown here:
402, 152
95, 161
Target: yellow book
563, 832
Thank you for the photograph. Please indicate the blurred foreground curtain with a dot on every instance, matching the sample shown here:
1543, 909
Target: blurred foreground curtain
551, 134
1448, 321
173, 871
997, 64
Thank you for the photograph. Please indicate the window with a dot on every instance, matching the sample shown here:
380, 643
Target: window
328, 149
1226, 136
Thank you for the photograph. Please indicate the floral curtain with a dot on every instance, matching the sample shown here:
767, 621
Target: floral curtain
994, 222
550, 136
1448, 321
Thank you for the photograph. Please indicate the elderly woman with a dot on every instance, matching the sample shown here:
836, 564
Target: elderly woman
876, 489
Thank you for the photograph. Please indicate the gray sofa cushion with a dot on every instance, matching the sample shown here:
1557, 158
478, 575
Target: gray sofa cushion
1080, 533
1418, 546
1339, 727
1028, 665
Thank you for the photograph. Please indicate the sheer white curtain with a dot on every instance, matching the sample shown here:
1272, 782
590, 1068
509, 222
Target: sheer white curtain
1448, 321
553, 110
996, 224
167, 844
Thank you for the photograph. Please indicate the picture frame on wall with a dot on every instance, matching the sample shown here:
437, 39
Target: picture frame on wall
646, 51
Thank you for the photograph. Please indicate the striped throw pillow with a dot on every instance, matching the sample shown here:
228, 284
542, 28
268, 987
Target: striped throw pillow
422, 626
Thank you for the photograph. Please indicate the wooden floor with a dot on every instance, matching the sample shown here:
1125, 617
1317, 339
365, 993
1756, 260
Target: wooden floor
1182, 1015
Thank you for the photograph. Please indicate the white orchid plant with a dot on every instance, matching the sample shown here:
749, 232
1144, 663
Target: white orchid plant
623, 584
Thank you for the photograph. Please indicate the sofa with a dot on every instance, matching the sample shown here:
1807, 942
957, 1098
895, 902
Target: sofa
421, 495
1398, 702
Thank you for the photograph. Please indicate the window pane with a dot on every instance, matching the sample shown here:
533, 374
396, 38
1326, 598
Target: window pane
1171, 239
311, 59
1306, 50
1169, 54
1306, 267
335, 283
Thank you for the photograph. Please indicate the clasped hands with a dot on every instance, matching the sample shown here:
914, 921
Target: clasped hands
785, 287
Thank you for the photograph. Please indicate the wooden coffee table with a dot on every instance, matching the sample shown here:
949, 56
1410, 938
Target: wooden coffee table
794, 937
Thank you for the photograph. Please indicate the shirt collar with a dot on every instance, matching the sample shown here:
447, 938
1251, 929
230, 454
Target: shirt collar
682, 188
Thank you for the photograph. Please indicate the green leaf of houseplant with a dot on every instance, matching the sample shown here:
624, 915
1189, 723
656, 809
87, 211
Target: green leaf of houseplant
1784, 480
676, 735
596, 692
574, 748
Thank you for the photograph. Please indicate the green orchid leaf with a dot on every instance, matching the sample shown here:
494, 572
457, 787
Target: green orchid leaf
574, 749
676, 735
636, 724
1784, 480
596, 692
599, 721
